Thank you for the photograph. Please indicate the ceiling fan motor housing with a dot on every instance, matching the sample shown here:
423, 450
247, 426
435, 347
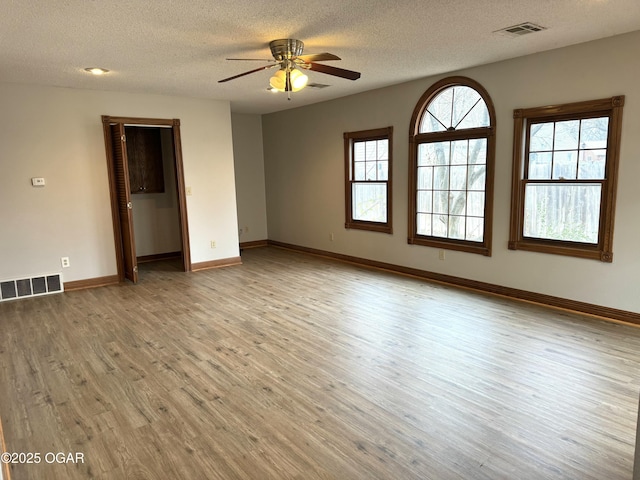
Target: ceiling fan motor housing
286, 48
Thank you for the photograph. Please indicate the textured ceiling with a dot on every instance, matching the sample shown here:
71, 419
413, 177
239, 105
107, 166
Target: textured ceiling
178, 47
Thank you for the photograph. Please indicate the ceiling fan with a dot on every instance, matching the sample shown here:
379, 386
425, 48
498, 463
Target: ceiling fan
287, 55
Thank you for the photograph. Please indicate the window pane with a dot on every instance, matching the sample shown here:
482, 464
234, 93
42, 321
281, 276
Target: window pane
425, 178
441, 202
567, 135
358, 151
475, 229
477, 175
478, 151
475, 204
370, 202
565, 165
540, 166
438, 115
458, 180
568, 212
358, 171
456, 227
423, 224
430, 124
433, 153
371, 170
439, 226
458, 203
541, 137
593, 132
591, 164
383, 149
469, 110
460, 150
441, 178
424, 202
477, 117
371, 152
383, 170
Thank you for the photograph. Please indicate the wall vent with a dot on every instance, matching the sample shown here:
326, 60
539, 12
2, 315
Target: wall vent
31, 287
520, 29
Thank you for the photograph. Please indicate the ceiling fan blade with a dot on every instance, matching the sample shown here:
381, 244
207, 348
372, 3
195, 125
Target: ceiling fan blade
318, 57
253, 59
246, 73
337, 72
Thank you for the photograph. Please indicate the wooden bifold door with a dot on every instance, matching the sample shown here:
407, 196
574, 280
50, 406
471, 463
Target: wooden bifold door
120, 191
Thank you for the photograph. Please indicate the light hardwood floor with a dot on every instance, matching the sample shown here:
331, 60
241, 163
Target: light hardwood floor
295, 367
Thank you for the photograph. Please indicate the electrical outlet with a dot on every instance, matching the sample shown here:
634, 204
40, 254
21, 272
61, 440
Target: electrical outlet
188, 191
246, 229
441, 254
331, 237
213, 244
64, 261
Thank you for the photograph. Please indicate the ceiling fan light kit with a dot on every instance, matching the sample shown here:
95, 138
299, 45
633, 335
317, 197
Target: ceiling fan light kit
96, 70
287, 54
288, 80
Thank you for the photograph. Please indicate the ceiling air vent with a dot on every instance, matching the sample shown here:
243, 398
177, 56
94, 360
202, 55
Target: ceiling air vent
520, 29
317, 85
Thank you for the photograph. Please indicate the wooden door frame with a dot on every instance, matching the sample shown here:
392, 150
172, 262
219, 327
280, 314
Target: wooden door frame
179, 172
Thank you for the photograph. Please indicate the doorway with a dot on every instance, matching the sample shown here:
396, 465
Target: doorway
120, 189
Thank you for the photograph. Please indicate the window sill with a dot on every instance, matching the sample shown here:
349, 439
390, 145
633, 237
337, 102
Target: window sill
448, 244
570, 250
373, 227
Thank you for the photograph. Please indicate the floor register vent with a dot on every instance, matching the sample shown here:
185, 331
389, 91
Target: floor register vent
31, 287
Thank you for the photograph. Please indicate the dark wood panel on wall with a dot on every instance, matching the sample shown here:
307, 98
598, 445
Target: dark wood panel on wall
144, 152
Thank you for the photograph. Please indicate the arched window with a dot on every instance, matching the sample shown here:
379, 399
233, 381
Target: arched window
451, 158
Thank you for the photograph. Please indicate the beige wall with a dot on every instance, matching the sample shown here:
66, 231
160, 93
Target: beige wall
249, 168
303, 150
56, 133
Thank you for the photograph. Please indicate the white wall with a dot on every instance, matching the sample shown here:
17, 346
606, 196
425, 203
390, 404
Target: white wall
249, 168
156, 220
56, 133
305, 191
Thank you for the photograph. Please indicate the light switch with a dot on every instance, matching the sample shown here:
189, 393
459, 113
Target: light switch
37, 182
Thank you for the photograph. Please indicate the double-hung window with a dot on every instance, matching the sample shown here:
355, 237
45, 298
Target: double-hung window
368, 170
564, 178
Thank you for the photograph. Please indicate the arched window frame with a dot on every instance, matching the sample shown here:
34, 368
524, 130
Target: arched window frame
416, 139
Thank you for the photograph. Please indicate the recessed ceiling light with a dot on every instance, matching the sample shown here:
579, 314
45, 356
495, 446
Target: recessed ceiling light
96, 70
